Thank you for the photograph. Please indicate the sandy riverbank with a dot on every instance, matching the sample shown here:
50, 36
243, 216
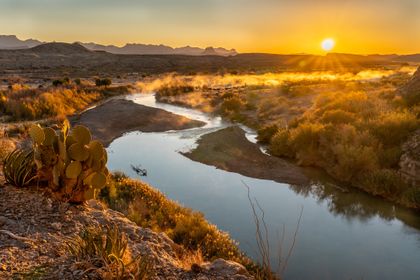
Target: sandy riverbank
228, 149
118, 116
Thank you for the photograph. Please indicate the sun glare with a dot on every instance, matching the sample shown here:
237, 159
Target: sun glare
328, 44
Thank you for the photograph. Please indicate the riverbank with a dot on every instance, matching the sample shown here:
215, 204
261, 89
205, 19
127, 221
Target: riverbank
230, 150
115, 117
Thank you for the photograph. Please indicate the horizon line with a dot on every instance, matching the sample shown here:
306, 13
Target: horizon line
204, 47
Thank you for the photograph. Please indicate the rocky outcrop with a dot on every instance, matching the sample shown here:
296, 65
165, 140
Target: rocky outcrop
34, 229
410, 160
411, 91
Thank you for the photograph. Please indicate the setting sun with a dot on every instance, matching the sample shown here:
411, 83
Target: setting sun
328, 44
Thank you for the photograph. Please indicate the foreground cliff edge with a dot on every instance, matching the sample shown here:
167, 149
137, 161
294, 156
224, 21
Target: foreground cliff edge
35, 230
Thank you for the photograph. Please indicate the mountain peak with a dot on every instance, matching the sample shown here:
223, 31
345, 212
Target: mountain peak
13, 42
60, 48
209, 51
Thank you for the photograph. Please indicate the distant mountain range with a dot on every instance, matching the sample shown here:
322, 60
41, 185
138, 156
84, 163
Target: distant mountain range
57, 59
12, 42
9, 42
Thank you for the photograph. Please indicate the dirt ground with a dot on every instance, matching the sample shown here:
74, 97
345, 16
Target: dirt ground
118, 116
228, 149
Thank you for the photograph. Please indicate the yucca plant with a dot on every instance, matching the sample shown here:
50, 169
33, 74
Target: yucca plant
19, 168
106, 249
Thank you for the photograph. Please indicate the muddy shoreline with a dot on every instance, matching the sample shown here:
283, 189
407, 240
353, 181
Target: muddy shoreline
116, 117
228, 149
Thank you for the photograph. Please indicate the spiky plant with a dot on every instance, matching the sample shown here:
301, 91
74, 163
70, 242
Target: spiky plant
19, 168
73, 165
106, 249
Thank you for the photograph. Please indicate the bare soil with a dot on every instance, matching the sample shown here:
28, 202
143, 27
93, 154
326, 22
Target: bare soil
228, 149
118, 116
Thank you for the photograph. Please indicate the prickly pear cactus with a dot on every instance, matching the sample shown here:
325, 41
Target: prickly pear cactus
73, 165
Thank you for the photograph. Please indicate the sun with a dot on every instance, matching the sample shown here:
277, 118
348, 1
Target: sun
327, 44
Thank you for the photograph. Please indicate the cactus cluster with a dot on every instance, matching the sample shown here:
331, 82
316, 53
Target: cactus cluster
73, 164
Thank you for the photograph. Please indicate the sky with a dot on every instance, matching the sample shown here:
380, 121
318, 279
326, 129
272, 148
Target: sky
272, 26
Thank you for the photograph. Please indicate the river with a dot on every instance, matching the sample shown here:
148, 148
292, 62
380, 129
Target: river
342, 234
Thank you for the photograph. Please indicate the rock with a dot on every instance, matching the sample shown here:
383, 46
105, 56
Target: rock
410, 160
57, 226
3, 220
95, 204
411, 91
228, 268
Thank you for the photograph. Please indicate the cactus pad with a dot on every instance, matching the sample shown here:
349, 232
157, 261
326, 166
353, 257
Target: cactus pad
81, 134
37, 134
97, 180
96, 150
50, 136
78, 152
73, 170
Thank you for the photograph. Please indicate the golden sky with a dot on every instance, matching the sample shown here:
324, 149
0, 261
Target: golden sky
275, 26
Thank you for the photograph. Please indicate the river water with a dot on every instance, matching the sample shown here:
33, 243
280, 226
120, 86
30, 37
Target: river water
342, 234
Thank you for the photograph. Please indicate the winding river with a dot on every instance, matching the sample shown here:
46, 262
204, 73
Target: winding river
342, 234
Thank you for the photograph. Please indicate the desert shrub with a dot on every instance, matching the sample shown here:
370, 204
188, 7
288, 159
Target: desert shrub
272, 106
305, 141
232, 105
77, 81
71, 163
384, 182
353, 161
174, 90
392, 128
390, 157
38, 103
338, 116
266, 133
103, 82
354, 102
279, 144
19, 168
105, 249
354, 136
150, 208
64, 81
411, 197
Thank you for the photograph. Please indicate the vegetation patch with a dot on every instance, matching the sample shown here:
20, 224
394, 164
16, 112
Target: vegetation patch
151, 209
